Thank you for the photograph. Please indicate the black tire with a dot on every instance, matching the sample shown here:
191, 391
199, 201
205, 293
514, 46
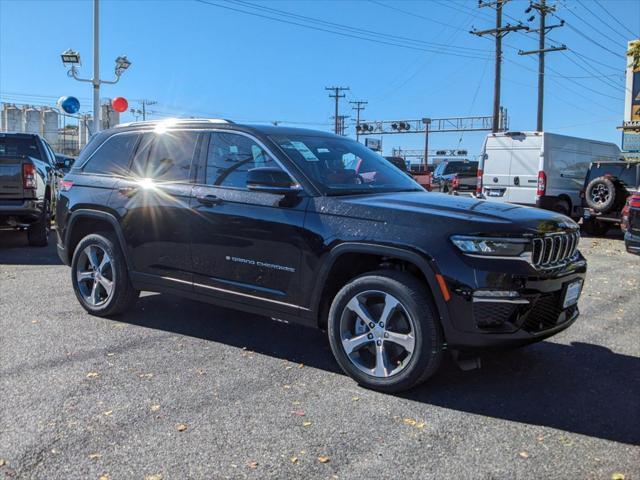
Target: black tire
601, 194
595, 227
38, 233
563, 207
415, 299
122, 296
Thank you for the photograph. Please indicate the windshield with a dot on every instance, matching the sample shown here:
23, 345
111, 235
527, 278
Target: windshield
340, 166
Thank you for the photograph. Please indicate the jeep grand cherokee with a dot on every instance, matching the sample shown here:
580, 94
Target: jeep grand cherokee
313, 228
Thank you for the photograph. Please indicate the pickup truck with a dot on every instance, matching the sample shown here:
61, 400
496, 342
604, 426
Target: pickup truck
453, 176
29, 175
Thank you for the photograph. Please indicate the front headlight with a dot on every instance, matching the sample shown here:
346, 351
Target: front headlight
497, 247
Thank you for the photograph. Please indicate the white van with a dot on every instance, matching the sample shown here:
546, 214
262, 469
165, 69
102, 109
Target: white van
539, 169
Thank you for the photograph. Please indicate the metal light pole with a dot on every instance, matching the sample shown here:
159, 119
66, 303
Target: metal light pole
71, 59
427, 122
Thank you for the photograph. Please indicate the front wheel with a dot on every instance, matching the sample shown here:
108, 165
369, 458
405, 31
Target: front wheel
99, 276
384, 331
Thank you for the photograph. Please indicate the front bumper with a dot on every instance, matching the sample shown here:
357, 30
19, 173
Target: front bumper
632, 242
534, 313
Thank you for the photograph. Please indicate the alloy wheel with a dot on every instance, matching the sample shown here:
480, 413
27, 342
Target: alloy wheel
94, 274
600, 193
377, 333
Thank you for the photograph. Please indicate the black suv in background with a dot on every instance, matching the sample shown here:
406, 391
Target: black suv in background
606, 189
29, 175
317, 229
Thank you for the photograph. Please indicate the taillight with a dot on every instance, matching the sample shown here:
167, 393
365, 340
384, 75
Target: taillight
542, 184
455, 183
479, 182
29, 176
634, 201
65, 185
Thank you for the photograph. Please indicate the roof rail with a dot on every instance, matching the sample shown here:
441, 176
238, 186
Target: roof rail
174, 121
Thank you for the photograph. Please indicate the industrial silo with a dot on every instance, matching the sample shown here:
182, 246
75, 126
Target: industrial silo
11, 118
50, 127
32, 120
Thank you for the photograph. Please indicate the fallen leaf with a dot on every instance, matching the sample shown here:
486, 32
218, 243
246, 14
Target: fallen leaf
155, 408
93, 375
157, 476
103, 477
108, 412
617, 476
288, 367
146, 375
253, 464
524, 454
110, 354
323, 459
301, 365
355, 399
95, 456
181, 427
420, 425
3, 462
294, 459
409, 421
298, 413
306, 424
34, 321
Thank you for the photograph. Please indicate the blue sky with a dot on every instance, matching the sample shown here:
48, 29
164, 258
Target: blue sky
199, 59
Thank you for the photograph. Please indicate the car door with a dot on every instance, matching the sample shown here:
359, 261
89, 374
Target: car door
152, 201
246, 245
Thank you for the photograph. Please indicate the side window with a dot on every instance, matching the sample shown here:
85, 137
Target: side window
112, 157
165, 157
51, 156
231, 156
628, 176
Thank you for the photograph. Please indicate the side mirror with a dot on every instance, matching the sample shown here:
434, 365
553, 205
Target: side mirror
271, 180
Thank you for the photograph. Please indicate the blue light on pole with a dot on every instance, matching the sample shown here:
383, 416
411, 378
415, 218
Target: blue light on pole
69, 104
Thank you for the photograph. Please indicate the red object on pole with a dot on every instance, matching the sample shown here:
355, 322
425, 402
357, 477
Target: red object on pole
120, 104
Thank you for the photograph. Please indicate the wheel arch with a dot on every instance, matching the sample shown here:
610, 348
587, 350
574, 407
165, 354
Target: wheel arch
82, 222
425, 270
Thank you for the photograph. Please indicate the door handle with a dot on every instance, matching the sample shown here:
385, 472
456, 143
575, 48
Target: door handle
128, 191
209, 200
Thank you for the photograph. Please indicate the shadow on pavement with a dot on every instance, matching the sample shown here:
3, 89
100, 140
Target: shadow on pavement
580, 388
15, 250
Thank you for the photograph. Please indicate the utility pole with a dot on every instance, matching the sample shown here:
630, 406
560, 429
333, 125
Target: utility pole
543, 9
337, 96
425, 161
143, 111
498, 32
359, 106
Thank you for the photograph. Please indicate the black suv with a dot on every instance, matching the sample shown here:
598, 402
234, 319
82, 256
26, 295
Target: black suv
606, 189
313, 228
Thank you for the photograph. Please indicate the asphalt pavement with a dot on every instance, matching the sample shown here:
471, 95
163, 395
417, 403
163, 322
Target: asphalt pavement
178, 389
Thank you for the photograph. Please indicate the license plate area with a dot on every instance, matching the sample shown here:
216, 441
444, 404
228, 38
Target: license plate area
571, 294
495, 192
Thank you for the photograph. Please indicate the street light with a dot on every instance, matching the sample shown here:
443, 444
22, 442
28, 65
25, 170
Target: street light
71, 59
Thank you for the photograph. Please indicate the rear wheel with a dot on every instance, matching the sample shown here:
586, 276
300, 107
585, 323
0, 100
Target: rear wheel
600, 194
99, 276
384, 332
38, 233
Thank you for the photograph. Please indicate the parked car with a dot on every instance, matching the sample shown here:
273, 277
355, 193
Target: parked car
631, 223
461, 174
606, 188
275, 221
65, 162
539, 169
29, 176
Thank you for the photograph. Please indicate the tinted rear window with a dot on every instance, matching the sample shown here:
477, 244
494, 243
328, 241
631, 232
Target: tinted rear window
461, 167
112, 157
19, 147
627, 174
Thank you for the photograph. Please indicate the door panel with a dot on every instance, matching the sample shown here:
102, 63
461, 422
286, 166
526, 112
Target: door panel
246, 245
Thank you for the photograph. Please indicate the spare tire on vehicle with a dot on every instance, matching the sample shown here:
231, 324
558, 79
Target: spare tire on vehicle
600, 194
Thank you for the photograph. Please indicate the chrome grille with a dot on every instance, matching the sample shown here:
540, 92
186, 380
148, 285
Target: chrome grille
551, 250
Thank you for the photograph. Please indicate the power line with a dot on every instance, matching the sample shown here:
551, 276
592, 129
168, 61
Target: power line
435, 49
603, 22
413, 14
359, 106
586, 37
599, 3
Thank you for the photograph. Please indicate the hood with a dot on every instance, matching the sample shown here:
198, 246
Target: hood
442, 206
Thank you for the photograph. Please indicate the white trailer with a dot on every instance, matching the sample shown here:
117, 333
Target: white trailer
540, 169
